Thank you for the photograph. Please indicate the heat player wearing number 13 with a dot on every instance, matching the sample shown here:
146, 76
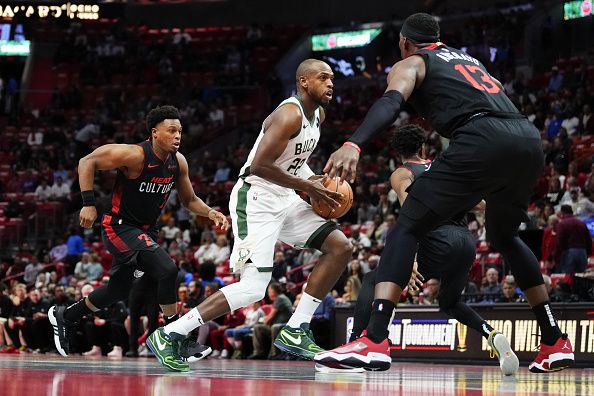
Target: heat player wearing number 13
494, 154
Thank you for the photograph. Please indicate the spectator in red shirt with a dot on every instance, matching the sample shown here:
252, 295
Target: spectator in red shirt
574, 243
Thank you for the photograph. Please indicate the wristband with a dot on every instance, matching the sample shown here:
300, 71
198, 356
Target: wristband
88, 198
354, 145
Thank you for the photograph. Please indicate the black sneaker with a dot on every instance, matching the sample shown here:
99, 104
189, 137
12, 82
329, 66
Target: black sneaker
190, 351
61, 329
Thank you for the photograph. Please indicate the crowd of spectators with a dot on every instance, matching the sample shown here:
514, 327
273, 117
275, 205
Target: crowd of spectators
69, 266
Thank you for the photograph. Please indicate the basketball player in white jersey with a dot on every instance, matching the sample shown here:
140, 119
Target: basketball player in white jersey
265, 208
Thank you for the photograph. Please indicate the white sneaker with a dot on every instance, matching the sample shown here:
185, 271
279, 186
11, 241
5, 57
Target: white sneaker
508, 361
224, 354
215, 353
143, 351
95, 351
116, 352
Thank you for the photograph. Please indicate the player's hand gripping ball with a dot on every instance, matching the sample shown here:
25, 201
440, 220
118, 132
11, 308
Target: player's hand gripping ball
346, 201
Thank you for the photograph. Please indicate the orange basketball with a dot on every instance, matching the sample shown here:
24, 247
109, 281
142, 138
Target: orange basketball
346, 202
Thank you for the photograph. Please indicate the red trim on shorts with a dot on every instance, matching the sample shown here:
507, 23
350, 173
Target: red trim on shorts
113, 237
116, 199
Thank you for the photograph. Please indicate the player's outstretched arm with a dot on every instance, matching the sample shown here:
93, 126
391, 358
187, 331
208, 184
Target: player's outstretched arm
280, 126
402, 80
109, 156
190, 200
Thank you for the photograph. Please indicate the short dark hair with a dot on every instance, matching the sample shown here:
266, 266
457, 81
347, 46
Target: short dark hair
159, 114
566, 209
408, 139
421, 27
276, 287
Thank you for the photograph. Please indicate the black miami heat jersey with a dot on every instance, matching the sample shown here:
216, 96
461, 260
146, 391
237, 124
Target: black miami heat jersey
417, 168
456, 86
139, 201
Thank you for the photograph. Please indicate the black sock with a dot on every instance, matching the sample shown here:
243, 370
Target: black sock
381, 313
76, 311
485, 329
169, 319
549, 329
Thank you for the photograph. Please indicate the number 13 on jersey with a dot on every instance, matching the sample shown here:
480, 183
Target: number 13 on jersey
487, 84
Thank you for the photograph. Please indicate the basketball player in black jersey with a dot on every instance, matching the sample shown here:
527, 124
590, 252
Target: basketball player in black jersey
147, 172
445, 253
495, 154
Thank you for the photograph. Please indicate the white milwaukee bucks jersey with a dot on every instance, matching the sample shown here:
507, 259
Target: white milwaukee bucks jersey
295, 155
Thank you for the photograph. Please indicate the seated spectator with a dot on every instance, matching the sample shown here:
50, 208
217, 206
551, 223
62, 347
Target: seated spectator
562, 293
224, 252
222, 173
351, 290
95, 269
81, 271
33, 268
265, 333
195, 296
170, 231
219, 342
253, 315
61, 299
508, 291
208, 249
207, 272
556, 80
492, 287
431, 292
580, 205
60, 190
573, 243
36, 328
356, 269
43, 192
107, 329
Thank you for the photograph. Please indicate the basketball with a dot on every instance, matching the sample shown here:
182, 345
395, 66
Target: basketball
345, 202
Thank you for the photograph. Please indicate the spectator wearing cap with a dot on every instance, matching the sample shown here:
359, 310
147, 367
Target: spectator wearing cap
573, 243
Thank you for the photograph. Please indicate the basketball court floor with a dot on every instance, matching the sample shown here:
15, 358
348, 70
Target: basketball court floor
54, 375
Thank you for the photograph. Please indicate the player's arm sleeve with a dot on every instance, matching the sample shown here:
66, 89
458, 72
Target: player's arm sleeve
306, 172
382, 114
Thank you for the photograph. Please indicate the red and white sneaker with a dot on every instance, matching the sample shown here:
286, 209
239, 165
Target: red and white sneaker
553, 357
361, 353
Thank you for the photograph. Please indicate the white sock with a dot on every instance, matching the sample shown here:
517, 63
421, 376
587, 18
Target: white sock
186, 323
304, 311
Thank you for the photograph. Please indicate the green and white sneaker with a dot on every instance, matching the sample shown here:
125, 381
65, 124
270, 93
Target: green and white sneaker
297, 341
166, 348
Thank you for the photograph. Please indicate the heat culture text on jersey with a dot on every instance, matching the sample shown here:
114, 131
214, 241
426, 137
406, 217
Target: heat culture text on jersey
157, 185
139, 201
